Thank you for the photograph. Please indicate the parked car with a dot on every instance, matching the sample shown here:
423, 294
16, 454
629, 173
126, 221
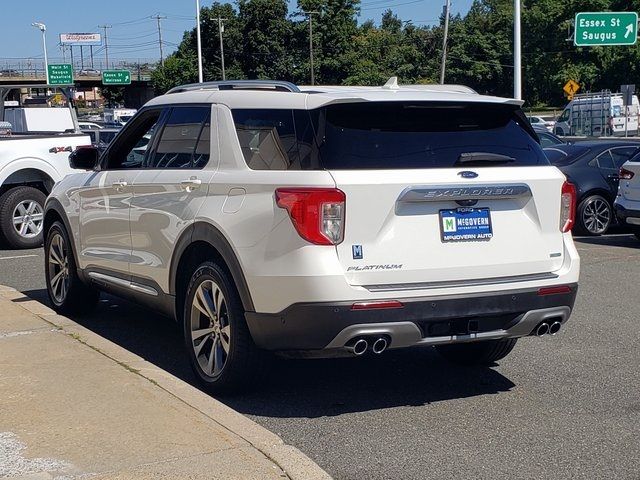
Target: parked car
32, 159
593, 168
89, 72
9, 73
321, 221
84, 125
627, 204
541, 122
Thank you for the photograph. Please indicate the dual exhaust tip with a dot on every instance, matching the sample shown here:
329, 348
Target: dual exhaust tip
550, 328
360, 345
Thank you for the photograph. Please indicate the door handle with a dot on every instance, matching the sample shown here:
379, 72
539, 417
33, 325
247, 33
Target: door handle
191, 184
119, 185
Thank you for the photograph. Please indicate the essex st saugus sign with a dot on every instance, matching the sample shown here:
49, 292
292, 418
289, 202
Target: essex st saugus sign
605, 28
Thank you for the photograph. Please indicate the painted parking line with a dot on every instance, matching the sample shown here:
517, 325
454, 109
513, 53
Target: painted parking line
17, 256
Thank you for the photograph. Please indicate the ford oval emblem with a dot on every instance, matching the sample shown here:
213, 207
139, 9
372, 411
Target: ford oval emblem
468, 174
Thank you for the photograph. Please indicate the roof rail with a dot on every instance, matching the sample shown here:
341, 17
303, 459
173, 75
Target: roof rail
277, 85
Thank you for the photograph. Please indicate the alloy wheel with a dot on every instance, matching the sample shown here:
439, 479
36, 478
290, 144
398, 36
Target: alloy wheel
210, 328
28, 218
58, 268
596, 216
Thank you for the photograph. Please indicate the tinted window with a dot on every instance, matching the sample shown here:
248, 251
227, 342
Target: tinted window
621, 155
267, 138
179, 137
548, 140
384, 135
605, 161
131, 149
393, 135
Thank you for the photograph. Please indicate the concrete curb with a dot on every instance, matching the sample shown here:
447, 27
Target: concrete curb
291, 460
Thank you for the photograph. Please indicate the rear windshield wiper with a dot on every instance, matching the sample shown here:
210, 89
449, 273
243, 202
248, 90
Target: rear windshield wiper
472, 157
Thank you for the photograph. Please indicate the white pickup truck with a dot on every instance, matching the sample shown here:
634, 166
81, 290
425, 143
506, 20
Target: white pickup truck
32, 160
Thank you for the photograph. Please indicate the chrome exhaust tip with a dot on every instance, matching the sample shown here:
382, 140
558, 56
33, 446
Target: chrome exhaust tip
555, 328
379, 346
359, 347
542, 329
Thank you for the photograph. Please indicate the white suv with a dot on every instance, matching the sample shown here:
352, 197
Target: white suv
321, 221
627, 204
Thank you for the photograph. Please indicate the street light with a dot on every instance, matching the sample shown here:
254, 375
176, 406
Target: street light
517, 53
43, 28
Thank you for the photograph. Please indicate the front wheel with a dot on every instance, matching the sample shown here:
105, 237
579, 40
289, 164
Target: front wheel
478, 353
594, 215
220, 348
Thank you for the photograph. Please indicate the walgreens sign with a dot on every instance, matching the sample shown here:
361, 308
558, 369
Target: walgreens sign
81, 39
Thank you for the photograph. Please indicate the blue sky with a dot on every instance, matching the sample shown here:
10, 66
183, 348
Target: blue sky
134, 34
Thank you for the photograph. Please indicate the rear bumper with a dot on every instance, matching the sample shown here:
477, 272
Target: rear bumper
627, 216
422, 320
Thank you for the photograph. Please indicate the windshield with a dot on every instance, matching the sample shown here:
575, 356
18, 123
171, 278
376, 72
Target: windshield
395, 135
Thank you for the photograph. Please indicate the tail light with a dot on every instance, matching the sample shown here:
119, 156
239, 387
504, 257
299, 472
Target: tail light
567, 207
316, 213
626, 174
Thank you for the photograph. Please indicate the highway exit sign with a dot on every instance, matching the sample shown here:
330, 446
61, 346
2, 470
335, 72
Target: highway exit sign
116, 77
60, 74
605, 28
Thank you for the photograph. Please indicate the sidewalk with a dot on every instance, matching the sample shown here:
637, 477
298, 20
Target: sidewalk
74, 405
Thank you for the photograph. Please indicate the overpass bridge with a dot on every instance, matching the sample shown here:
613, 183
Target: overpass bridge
135, 95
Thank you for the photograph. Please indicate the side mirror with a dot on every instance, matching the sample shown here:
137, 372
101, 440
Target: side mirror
84, 158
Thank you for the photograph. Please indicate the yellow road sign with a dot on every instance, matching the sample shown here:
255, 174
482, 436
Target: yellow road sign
570, 88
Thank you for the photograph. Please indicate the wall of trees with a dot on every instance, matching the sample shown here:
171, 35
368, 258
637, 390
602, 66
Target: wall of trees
262, 39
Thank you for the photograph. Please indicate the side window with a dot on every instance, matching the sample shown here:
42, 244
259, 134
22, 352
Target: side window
622, 154
605, 161
267, 138
545, 141
203, 148
131, 148
180, 134
565, 116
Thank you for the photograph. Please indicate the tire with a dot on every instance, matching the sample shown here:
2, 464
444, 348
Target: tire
477, 353
594, 215
22, 217
67, 293
221, 327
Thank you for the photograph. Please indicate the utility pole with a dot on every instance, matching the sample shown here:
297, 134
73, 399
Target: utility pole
158, 18
517, 53
310, 15
443, 66
199, 38
106, 45
220, 30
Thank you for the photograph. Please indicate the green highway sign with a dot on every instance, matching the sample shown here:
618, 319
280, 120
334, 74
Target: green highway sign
605, 28
60, 74
116, 77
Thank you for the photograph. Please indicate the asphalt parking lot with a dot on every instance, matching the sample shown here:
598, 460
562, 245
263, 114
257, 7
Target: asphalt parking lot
557, 407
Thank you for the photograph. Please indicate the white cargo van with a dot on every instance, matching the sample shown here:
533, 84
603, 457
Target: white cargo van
598, 114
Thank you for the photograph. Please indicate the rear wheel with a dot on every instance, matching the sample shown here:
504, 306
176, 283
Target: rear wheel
221, 351
477, 353
22, 217
66, 291
594, 215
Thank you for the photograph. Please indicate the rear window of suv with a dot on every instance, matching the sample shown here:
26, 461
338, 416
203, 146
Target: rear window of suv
386, 135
